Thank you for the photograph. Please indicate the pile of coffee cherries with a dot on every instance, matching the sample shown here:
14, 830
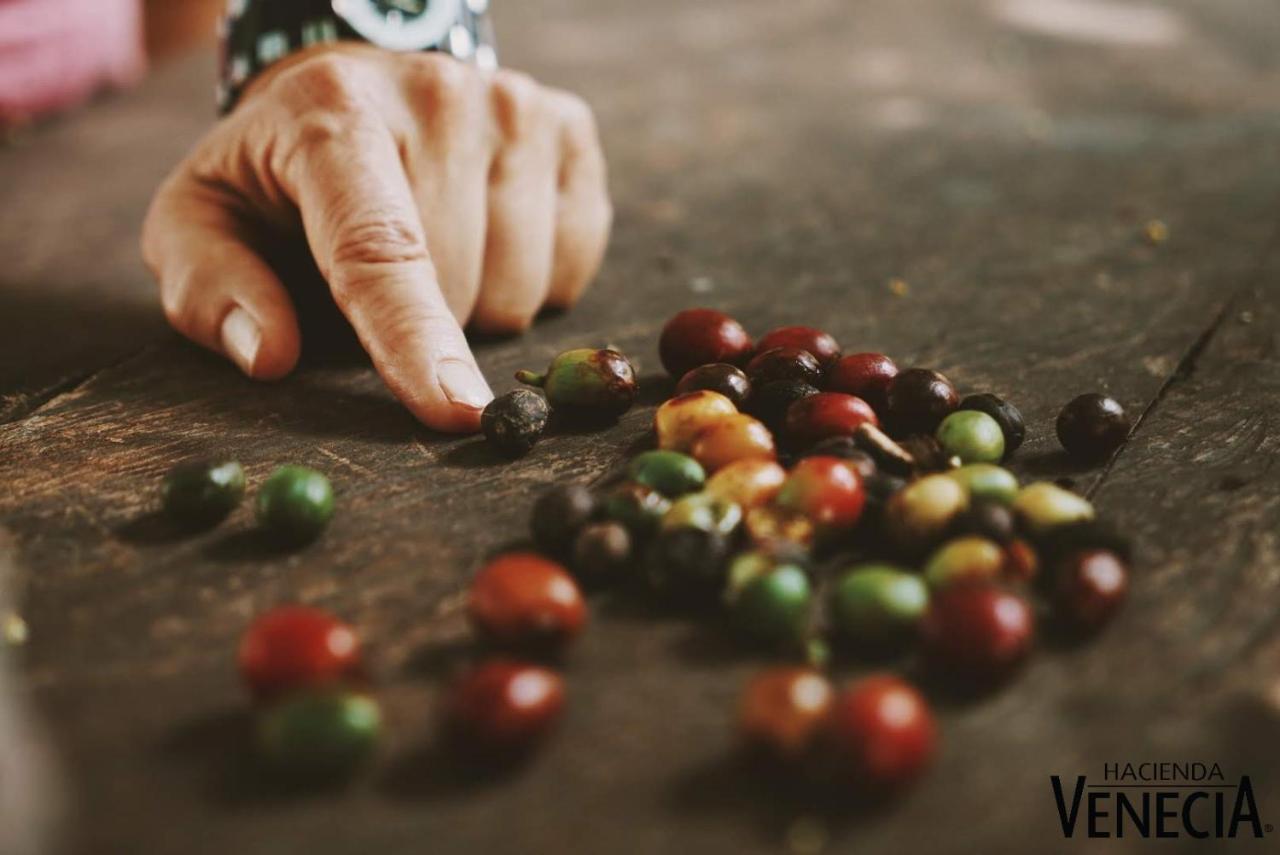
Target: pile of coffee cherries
834, 507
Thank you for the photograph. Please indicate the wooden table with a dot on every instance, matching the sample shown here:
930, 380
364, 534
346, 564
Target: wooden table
785, 162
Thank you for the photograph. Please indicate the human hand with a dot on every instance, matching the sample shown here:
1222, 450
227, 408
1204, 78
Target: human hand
431, 195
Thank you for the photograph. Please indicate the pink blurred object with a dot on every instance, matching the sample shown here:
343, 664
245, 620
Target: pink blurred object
56, 53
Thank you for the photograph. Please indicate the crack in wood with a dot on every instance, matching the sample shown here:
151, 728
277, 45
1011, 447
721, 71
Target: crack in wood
1186, 367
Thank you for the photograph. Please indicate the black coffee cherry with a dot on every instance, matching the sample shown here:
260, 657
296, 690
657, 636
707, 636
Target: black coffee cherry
558, 515
513, 423
720, 377
1092, 426
769, 402
918, 400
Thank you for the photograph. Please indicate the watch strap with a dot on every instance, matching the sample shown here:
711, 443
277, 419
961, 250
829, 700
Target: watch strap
256, 34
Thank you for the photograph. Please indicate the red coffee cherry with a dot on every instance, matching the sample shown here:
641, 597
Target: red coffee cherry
1089, 588
866, 375
784, 711
505, 705
977, 632
825, 415
297, 647
884, 731
827, 490
523, 598
700, 337
823, 346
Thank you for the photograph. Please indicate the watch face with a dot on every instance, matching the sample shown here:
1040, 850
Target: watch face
400, 24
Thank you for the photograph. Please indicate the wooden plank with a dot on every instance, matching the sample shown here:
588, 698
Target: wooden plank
1020, 242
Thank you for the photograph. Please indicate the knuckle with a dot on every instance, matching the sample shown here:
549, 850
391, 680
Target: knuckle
446, 83
330, 81
365, 248
578, 117
518, 102
503, 320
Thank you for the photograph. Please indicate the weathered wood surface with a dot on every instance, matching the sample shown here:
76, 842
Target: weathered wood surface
782, 161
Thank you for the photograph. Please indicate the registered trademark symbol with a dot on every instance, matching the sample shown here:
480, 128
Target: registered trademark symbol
1268, 828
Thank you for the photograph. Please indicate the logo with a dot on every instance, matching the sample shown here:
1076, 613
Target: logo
1157, 800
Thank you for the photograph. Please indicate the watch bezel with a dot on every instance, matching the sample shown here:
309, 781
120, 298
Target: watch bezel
425, 32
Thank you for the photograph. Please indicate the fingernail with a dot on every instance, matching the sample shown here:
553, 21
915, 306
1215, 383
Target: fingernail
463, 384
241, 336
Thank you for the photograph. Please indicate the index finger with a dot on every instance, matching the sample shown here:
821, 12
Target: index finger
363, 227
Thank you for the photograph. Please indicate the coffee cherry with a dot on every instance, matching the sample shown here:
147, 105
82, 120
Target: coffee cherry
720, 377
697, 337
885, 732
669, 472
587, 382
505, 705
1043, 506
679, 420
1093, 426
295, 504
866, 375
513, 423
785, 712
986, 519
878, 606
297, 647
826, 415
977, 632
784, 363
523, 598
987, 482
773, 606
971, 436
919, 514
1006, 415
202, 493
637, 507
770, 402
827, 490
965, 559
845, 448
822, 346
559, 513
602, 552
688, 564
733, 438
1089, 587
918, 400
747, 483
318, 736
768, 526
703, 511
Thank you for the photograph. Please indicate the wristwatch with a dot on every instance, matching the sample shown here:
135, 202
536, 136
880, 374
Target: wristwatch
257, 33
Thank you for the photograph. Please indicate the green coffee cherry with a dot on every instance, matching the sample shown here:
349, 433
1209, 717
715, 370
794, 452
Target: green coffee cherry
669, 472
962, 559
295, 503
596, 381
774, 606
637, 507
202, 493
319, 734
1043, 506
987, 482
972, 436
701, 510
878, 605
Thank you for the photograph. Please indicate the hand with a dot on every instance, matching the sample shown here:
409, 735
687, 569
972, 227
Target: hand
430, 193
